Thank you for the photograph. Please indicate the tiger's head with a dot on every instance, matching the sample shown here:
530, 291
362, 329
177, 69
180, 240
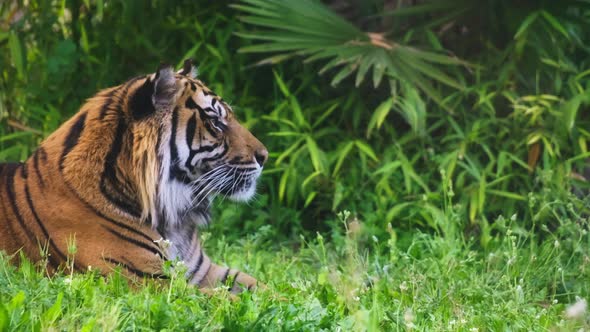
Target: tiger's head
202, 150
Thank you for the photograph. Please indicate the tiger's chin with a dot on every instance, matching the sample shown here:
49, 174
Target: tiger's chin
244, 188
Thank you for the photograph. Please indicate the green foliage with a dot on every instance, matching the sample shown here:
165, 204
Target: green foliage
511, 110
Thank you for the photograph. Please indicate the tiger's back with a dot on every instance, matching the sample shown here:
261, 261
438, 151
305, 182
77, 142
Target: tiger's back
43, 217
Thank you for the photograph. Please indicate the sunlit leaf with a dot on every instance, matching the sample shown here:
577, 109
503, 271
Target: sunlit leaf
525, 24
315, 154
379, 115
366, 149
555, 23
342, 154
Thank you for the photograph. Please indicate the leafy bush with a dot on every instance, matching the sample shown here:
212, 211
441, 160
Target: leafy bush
500, 124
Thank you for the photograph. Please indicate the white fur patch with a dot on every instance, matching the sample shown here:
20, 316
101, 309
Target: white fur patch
245, 194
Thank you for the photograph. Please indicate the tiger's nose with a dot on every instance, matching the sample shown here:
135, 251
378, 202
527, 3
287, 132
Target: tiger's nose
261, 156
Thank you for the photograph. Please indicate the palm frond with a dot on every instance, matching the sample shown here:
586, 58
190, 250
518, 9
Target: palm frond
310, 29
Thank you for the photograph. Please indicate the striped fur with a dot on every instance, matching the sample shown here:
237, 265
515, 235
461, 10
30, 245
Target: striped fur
136, 167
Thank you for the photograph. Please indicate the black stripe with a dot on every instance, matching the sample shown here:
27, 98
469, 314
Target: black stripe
120, 224
72, 138
209, 93
190, 103
206, 148
24, 171
40, 151
179, 174
123, 201
10, 173
204, 117
210, 129
224, 278
107, 104
190, 135
217, 110
173, 149
111, 95
233, 284
196, 268
44, 230
140, 102
175, 171
187, 67
190, 130
203, 112
162, 223
219, 155
132, 269
153, 249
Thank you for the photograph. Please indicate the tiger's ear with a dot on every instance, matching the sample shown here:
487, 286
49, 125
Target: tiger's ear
165, 87
188, 69
157, 93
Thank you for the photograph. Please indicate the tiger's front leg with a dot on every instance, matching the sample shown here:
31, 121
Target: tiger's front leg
201, 271
220, 275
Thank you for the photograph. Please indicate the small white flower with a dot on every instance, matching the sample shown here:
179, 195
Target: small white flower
162, 240
403, 286
452, 322
556, 244
163, 243
474, 329
513, 217
89, 267
67, 280
519, 293
511, 261
409, 317
555, 301
577, 309
374, 239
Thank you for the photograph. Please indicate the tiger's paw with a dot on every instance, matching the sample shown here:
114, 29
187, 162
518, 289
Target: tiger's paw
242, 281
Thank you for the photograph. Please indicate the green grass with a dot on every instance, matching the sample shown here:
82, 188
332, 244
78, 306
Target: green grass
522, 282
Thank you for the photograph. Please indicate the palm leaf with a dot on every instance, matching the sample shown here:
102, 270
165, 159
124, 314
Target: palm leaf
310, 29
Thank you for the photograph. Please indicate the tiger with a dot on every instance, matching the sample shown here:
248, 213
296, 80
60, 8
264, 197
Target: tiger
135, 168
